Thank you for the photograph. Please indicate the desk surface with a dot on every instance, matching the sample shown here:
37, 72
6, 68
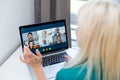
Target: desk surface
14, 69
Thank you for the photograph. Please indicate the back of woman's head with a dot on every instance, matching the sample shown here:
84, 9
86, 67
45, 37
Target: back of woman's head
98, 35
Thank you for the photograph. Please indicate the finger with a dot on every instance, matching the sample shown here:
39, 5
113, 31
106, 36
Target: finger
38, 53
27, 56
32, 55
27, 59
26, 50
21, 59
67, 57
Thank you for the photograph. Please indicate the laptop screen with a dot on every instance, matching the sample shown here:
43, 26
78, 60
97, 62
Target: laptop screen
47, 37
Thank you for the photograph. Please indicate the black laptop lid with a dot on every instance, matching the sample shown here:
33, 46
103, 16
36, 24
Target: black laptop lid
47, 37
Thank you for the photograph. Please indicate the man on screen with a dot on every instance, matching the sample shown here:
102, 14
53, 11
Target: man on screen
30, 37
57, 32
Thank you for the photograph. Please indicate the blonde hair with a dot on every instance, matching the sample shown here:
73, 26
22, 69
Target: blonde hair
98, 35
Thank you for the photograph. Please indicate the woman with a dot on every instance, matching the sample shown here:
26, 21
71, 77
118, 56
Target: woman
31, 46
98, 35
58, 39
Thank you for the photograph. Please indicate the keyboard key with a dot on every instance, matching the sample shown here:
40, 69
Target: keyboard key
53, 59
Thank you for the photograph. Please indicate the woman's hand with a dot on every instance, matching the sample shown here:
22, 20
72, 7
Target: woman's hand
29, 58
35, 62
68, 58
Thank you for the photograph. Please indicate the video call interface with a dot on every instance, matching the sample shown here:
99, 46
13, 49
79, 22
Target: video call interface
46, 38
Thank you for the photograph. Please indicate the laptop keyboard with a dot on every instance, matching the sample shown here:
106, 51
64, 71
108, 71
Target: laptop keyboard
53, 59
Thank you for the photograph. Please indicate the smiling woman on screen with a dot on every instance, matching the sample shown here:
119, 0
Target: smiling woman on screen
98, 36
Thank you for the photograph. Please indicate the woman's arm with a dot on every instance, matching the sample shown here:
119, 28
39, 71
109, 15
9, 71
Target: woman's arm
34, 61
39, 73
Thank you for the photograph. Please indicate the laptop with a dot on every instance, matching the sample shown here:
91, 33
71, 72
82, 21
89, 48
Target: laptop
50, 38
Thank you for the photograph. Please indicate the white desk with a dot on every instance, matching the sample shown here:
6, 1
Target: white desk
14, 69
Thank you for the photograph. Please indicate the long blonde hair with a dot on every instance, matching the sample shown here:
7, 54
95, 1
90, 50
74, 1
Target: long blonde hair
98, 36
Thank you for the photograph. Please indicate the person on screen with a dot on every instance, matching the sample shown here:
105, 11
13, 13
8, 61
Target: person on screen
32, 47
57, 32
44, 42
44, 34
58, 39
30, 37
98, 37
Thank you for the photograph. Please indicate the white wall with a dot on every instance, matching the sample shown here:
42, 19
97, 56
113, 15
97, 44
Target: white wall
13, 13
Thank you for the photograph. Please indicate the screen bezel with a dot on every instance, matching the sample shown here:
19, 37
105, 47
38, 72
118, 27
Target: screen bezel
45, 23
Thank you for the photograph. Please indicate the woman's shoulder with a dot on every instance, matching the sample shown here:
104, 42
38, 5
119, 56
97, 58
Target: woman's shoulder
73, 73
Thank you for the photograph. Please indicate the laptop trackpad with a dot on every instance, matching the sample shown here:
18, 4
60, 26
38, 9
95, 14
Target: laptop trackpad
51, 71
